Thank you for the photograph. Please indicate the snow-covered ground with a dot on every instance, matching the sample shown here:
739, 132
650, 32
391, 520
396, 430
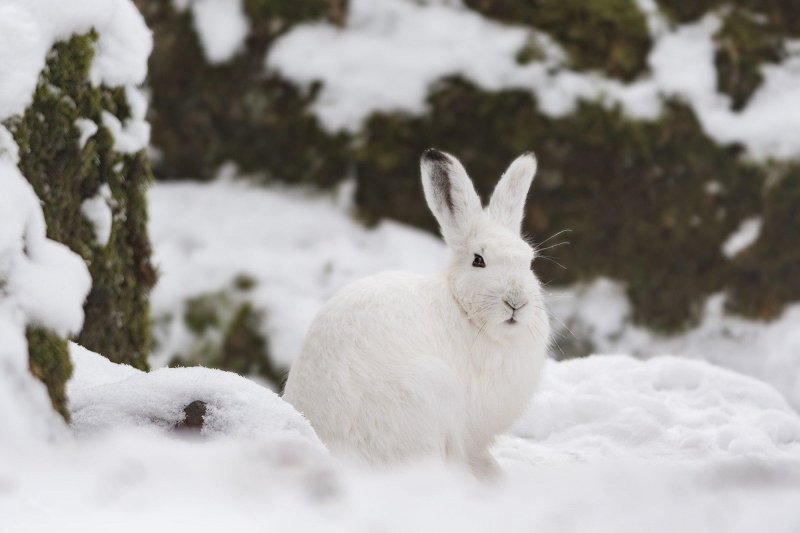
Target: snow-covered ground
610, 444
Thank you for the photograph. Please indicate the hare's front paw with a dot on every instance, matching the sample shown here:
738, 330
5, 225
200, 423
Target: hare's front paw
484, 466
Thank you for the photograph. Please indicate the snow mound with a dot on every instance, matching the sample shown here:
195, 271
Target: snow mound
105, 396
769, 351
610, 444
664, 408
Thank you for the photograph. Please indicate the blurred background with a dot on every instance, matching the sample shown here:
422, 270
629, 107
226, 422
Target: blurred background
285, 138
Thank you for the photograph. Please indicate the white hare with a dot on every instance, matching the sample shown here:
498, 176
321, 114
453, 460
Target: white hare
399, 366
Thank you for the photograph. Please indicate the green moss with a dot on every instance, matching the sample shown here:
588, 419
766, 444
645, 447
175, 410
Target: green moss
765, 274
634, 193
682, 11
279, 15
49, 361
205, 115
782, 15
63, 174
203, 312
244, 282
531, 51
227, 335
744, 43
608, 35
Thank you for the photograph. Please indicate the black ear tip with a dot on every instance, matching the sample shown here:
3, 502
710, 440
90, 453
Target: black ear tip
434, 156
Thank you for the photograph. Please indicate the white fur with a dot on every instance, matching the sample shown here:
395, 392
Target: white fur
400, 366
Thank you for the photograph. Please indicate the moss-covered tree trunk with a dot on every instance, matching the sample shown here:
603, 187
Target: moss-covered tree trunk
68, 155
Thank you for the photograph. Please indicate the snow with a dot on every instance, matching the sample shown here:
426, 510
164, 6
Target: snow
620, 407
97, 210
743, 237
222, 27
413, 44
43, 278
132, 135
87, 129
611, 443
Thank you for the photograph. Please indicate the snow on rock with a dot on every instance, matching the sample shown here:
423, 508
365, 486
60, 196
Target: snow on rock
412, 44
26, 416
221, 26
743, 237
104, 396
416, 43
663, 408
46, 280
87, 129
204, 235
29, 28
97, 210
42, 283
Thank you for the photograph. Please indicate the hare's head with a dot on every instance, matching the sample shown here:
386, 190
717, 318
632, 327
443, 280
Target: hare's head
490, 275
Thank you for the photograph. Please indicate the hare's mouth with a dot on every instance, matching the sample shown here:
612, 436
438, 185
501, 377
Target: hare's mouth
511, 320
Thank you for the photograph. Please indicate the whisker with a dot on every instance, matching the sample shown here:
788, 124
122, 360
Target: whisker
550, 259
554, 317
480, 330
555, 235
556, 245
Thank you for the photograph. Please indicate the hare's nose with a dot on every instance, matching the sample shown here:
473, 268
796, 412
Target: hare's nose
515, 306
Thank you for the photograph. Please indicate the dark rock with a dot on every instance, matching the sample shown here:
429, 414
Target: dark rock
194, 415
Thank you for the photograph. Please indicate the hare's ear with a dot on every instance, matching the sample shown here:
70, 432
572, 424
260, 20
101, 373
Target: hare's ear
449, 193
507, 205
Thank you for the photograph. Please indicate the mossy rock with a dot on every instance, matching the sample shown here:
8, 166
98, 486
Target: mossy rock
753, 34
227, 334
204, 115
49, 362
744, 44
64, 174
784, 15
607, 35
649, 203
765, 275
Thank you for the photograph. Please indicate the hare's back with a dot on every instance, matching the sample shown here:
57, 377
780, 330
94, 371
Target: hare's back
392, 313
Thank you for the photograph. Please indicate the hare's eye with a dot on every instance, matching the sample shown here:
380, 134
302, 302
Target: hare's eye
478, 262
